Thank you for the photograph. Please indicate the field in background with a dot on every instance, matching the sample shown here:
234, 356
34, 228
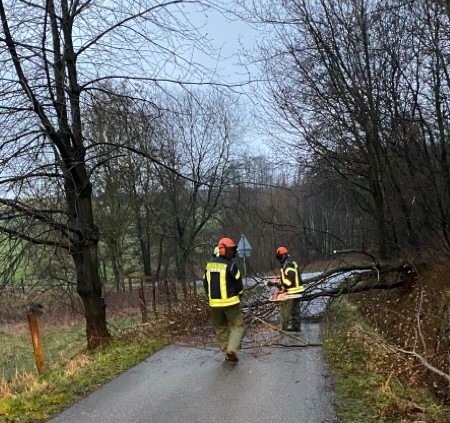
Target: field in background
61, 322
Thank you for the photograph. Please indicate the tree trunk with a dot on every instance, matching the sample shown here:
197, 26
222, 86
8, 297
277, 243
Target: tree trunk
90, 290
144, 242
384, 242
85, 257
117, 266
181, 272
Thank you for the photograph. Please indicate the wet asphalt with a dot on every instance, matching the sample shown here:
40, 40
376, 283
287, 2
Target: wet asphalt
276, 380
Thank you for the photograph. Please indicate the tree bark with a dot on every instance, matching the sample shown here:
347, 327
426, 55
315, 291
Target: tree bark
85, 257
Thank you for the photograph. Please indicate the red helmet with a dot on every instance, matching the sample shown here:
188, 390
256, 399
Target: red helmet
281, 251
225, 243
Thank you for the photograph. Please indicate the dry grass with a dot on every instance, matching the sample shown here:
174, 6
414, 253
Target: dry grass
414, 317
368, 386
73, 366
62, 332
21, 382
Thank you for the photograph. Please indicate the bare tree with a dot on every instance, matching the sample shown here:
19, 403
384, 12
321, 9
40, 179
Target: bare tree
53, 58
355, 104
200, 141
114, 121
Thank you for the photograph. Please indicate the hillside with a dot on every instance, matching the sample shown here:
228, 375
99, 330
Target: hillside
415, 322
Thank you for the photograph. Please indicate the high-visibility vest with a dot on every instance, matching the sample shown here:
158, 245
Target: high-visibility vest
222, 282
290, 266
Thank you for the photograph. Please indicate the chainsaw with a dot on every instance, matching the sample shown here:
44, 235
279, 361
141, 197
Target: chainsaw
278, 294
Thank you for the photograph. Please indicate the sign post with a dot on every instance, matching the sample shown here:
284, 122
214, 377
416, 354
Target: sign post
244, 250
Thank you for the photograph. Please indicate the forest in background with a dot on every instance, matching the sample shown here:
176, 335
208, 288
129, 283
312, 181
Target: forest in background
110, 168
120, 155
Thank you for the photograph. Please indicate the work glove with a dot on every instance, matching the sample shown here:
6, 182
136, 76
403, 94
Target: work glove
273, 282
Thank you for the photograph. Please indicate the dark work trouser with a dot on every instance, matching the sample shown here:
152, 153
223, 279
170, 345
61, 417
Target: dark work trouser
229, 326
290, 314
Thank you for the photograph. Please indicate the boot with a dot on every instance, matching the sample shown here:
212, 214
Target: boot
231, 357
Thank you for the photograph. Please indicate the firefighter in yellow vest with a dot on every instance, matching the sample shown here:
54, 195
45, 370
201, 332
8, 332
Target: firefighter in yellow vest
291, 284
223, 285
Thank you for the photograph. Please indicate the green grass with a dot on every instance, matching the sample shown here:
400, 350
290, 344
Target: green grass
365, 394
70, 372
16, 350
58, 344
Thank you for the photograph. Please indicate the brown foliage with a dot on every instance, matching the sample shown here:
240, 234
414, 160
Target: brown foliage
414, 317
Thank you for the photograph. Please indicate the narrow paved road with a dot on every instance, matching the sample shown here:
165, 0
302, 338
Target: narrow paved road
282, 382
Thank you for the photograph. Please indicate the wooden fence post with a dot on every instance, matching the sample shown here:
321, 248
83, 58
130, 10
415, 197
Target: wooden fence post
36, 339
155, 310
142, 304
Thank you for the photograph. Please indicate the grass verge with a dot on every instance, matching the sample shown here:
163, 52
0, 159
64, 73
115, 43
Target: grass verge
365, 392
37, 397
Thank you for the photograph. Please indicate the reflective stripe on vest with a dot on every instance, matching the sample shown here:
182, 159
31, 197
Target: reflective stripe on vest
216, 276
298, 287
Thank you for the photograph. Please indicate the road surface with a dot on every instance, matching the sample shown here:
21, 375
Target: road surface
275, 381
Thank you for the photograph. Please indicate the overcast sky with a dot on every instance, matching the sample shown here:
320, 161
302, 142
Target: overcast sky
230, 38
227, 35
